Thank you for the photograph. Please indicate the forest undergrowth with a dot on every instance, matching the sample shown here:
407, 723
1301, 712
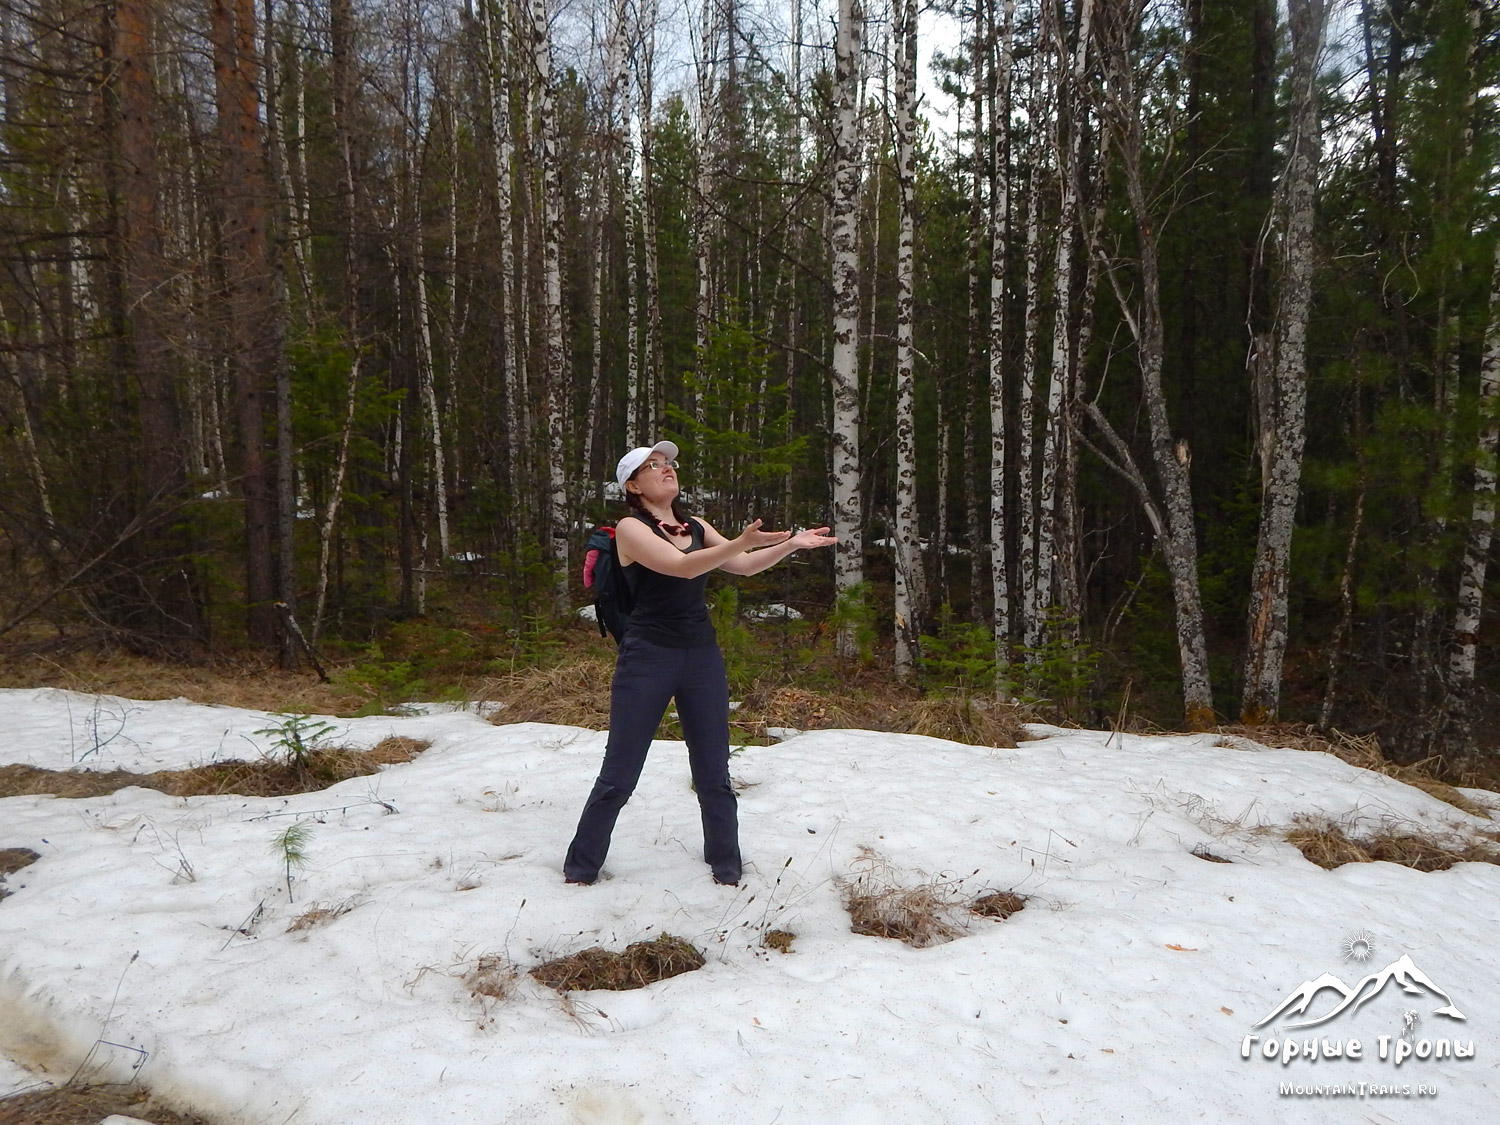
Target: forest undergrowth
784, 676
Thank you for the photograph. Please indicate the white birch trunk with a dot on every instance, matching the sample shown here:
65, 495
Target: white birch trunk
1461, 663
1281, 448
556, 350
1031, 631
335, 499
702, 200
653, 390
844, 237
1060, 388
910, 581
999, 238
497, 88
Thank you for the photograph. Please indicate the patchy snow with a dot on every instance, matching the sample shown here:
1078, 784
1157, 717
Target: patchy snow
154, 931
775, 611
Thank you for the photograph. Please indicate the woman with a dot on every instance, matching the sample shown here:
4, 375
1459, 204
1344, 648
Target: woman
669, 651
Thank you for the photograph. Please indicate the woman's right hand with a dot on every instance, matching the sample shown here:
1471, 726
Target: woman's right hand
753, 537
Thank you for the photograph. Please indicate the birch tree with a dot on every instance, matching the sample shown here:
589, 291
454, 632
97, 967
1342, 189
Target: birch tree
555, 343
999, 114
844, 227
1281, 392
910, 581
1458, 733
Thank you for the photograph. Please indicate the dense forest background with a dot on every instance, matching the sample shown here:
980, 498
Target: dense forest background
1162, 373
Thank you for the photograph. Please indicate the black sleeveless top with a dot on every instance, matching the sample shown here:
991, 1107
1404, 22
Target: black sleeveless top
669, 611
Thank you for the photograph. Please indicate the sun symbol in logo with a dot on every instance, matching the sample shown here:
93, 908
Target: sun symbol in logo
1358, 946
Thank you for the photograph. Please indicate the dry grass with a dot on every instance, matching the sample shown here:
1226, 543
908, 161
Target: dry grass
266, 778
880, 905
779, 940
255, 684
972, 720
88, 1105
976, 721
575, 693
998, 904
318, 915
1358, 750
1329, 846
642, 963
492, 977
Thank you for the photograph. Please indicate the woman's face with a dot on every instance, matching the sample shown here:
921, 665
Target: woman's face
656, 480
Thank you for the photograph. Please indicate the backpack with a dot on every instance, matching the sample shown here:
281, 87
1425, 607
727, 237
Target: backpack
613, 599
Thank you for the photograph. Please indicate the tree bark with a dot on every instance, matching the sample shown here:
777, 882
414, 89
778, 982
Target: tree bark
253, 317
1282, 442
1000, 196
556, 344
844, 235
1120, 27
1459, 719
910, 594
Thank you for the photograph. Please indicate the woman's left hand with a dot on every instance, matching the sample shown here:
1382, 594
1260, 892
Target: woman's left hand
813, 537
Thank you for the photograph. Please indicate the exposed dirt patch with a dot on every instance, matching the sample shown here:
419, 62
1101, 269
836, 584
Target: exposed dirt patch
88, 1105
1329, 846
11, 861
266, 778
1202, 852
998, 904
642, 963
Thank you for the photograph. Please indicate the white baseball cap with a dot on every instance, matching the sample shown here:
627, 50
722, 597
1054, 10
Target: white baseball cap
637, 457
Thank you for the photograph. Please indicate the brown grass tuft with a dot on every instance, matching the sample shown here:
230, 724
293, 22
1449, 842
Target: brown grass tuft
489, 982
880, 906
575, 693
266, 778
88, 1105
642, 963
1329, 846
998, 904
779, 940
976, 721
318, 915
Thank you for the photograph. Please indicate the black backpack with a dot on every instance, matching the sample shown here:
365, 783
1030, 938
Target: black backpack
613, 599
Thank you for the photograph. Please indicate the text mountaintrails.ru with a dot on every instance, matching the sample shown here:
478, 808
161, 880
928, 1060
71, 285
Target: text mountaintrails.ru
1357, 1090
1289, 1049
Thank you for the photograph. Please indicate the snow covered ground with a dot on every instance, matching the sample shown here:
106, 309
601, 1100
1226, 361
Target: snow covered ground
153, 932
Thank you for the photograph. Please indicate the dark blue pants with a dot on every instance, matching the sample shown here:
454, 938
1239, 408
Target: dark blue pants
647, 677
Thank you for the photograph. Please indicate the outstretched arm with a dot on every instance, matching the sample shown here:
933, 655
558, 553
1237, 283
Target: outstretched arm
635, 542
756, 561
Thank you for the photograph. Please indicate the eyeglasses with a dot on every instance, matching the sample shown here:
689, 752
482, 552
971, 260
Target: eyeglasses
658, 466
